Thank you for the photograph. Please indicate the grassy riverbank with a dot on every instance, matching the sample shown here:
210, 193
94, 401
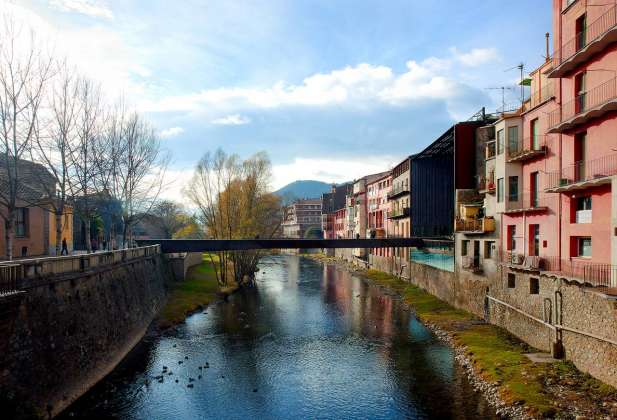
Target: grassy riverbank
544, 389
198, 290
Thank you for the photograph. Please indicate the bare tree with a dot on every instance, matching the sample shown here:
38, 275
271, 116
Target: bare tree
53, 148
24, 73
86, 152
134, 166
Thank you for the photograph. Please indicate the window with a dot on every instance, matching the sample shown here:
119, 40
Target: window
21, 222
580, 82
488, 249
513, 188
464, 247
583, 210
500, 190
534, 240
535, 135
512, 140
534, 286
581, 32
534, 181
583, 247
512, 238
511, 280
500, 142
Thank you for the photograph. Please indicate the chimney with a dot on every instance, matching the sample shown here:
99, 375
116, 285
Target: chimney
548, 54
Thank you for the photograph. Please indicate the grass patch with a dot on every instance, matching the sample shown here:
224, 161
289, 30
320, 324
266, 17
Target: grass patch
497, 355
198, 289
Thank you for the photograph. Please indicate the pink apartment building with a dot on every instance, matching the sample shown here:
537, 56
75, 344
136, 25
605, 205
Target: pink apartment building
583, 126
378, 207
561, 160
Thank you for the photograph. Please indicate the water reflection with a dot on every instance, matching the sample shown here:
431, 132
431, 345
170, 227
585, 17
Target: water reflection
311, 341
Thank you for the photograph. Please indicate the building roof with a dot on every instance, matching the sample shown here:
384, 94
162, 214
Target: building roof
34, 182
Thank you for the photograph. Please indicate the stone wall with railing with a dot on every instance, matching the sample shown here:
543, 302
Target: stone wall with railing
67, 321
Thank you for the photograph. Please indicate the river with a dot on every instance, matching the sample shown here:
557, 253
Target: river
310, 341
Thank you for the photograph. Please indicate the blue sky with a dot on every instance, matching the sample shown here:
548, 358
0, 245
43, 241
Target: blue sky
330, 89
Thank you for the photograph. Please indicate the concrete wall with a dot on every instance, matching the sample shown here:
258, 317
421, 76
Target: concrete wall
180, 263
69, 328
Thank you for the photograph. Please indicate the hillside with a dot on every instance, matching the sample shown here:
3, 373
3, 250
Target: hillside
303, 189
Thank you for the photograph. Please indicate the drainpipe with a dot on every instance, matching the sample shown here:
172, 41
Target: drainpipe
560, 148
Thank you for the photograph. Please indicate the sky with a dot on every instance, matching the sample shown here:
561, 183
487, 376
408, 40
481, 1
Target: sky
331, 89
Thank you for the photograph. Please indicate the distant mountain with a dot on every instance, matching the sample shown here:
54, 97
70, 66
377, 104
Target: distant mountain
303, 189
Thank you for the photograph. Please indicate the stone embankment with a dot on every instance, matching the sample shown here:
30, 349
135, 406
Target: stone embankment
71, 321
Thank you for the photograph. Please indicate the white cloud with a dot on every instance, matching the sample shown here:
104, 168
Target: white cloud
91, 8
361, 86
330, 170
171, 132
235, 119
475, 57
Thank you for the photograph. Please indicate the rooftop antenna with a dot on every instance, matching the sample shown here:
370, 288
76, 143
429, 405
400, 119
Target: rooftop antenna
521, 67
503, 95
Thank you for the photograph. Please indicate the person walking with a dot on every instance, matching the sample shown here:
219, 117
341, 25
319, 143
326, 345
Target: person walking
65, 249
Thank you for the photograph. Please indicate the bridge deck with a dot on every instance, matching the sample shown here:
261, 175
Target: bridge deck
204, 245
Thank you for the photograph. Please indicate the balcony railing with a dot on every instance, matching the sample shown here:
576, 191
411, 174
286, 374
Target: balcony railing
593, 38
527, 148
398, 190
600, 99
483, 225
528, 202
587, 272
396, 213
489, 152
582, 174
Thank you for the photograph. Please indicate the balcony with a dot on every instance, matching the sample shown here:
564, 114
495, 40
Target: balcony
398, 191
528, 202
593, 39
399, 213
587, 273
527, 149
583, 108
583, 174
489, 151
475, 226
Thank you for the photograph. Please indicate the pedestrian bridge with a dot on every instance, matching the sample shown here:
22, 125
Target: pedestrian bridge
205, 245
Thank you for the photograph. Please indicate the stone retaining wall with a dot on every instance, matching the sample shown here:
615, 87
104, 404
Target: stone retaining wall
582, 309
70, 327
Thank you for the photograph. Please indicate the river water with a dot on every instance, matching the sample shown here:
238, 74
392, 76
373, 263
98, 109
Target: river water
310, 341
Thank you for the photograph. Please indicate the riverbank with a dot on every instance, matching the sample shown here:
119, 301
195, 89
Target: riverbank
198, 290
497, 363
